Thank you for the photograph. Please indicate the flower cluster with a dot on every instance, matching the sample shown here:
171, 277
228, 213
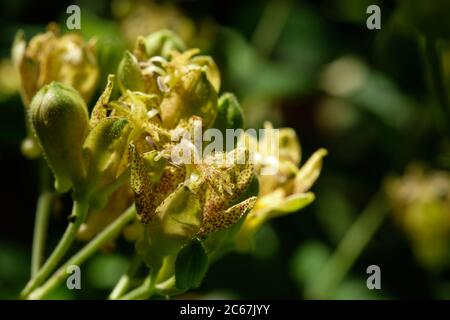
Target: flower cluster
123, 153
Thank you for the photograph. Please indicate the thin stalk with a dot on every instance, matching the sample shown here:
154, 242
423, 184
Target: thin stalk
125, 281
144, 291
349, 249
434, 63
42, 216
88, 250
270, 25
79, 213
40, 230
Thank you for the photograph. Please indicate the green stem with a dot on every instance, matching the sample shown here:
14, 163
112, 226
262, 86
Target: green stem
349, 249
40, 230
88, 250
144, 291
435, 67
42, 217
270, 25
125, 281
79, 213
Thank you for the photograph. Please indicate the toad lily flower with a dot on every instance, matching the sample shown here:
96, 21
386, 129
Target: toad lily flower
187, 201
49, 57
286, 190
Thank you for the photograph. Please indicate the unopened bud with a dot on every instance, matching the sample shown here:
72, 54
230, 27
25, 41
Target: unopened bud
161, 43
129, 74
60, 121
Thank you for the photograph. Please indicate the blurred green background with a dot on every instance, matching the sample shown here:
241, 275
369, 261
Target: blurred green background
368, 96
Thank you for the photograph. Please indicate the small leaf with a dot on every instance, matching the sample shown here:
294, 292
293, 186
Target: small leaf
191, 266
229, 114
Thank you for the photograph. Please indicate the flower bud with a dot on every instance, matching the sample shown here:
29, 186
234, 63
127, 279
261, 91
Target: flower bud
59, 118
212, 70
50, 57
229, 114
176, 222
129, 74
162, 42
104, 150
193, 95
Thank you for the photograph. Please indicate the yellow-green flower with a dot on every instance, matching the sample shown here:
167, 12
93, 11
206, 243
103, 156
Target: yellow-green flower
287, 189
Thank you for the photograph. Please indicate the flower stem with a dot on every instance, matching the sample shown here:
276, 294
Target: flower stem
88, 250
42, 217
270, 25
79, 213
349, 249
144, 291
40, 230
125, 281
435, 67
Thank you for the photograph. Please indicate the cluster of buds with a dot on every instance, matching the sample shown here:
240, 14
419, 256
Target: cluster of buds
124, 152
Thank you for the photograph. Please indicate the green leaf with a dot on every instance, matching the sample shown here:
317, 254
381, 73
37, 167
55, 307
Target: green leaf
229, 114
191, 266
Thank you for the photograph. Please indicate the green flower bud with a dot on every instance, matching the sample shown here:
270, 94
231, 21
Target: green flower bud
59, 118
212, 70
229, 114
176, 222
104, 151
161, 43
129, 74
193, 95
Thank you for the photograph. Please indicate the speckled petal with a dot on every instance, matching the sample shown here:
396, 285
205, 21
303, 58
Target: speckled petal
225, 219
